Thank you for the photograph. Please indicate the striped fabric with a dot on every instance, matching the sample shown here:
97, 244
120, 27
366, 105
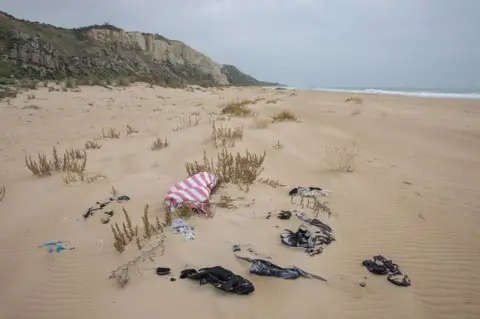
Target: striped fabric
194, 191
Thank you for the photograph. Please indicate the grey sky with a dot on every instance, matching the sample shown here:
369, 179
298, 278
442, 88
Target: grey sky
369, 43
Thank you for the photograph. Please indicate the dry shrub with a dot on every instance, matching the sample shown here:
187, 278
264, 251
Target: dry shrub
71, 84
237, 169
226, 137
124, 82
342, 158
271, 182
355, 99
110, 133
260, 123
238, 108
272, 101
317, 204
284, 116
158, 144
92, 145
227, 202
76, 177
278, 146
3, 191
188, 122
113, 191
28, 84
129, 130
74, 161
127, 233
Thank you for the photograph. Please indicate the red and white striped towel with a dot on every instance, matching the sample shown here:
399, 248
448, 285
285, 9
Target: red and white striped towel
194, 190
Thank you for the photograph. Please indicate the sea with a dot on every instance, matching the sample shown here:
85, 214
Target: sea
471, 94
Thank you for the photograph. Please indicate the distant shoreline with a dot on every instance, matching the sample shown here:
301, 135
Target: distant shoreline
411, 93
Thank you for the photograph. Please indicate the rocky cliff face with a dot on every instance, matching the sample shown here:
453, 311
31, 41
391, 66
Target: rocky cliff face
35, 50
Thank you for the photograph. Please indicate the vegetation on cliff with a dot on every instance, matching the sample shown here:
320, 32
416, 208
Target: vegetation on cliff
33, 50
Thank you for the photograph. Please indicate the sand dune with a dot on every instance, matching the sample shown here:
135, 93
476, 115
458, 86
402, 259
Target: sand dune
412, 197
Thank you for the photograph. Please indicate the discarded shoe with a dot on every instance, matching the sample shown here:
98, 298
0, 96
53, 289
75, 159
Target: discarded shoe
380, 265
284, 214
162, 271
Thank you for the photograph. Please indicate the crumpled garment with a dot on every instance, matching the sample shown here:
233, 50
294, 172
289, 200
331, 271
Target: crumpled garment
314, 222
380, 265
309, 191
312, 240
265, 268
57, 246
180, 227
194, 191
100, 206
220, 278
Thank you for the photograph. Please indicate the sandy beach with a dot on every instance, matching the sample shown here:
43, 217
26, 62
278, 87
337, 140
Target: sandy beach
412, 196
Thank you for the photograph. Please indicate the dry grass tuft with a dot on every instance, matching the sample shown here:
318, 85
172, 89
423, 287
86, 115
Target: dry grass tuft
284, 116
260, 123
167, 219
76, 177
188, 122
127, 233
271, 182
130, 130
158, 144
71, 84
238, 108
183, 211
316, 204
237, 169
273, 101
110, 133
227, 202
226, 137
355, 99
114, 191
342, 158
92, 145
3, 191
278, 146
123, 82
74, 161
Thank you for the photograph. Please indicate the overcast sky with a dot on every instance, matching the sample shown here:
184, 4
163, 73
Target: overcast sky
309, 43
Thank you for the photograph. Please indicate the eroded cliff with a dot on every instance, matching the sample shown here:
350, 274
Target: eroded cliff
37, 50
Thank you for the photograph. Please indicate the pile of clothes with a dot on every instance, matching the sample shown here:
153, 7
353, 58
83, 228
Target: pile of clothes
313, 236
220, 278
380, 265
263, 267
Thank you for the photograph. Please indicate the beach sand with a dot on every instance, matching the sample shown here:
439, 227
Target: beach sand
413, 197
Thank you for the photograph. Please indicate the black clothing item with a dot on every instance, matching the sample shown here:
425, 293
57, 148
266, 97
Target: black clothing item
220, 278
312, 242
265, 268
284, 214
161, 271
380, 265
299, 191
